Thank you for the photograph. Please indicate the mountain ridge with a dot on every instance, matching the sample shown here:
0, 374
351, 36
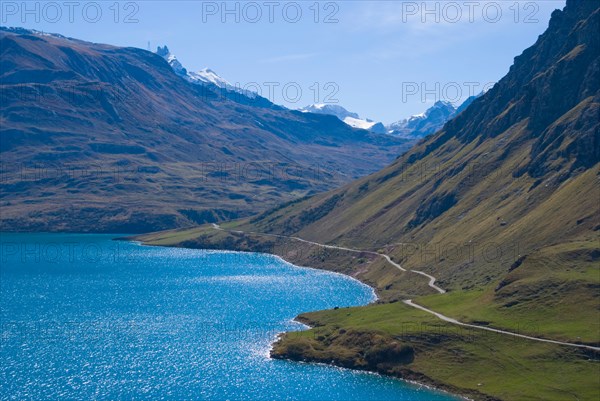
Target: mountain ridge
93, 132
207, 77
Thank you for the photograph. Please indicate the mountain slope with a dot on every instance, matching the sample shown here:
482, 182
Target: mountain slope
96, 133
517, 166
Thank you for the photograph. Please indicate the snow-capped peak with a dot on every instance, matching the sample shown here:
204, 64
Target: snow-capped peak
208, 75
433, 119
205, 76
350, 118
441, 110
172, 60
331, 109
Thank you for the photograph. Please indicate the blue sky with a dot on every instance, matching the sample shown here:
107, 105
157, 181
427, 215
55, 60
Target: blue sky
385, 60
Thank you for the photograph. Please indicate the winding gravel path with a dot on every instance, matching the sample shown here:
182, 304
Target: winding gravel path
382, 255
431, 284
508, 333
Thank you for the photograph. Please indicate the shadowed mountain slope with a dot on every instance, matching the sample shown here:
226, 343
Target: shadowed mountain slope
101, 138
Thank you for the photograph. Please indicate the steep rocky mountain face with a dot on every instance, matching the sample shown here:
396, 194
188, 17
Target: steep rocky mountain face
100, 138
478, 202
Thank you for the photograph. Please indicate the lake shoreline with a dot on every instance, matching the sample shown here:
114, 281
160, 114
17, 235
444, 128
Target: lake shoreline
169, 310
407, 375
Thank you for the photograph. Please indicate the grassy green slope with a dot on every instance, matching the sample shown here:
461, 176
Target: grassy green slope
409, 343
506, 193
552, 293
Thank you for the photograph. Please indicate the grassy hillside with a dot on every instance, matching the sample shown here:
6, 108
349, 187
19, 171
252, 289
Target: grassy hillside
397, 340
551, 293
391, 338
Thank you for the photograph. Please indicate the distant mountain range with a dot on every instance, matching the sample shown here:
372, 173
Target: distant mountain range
429, 122
108, 139
352, 119
412, 128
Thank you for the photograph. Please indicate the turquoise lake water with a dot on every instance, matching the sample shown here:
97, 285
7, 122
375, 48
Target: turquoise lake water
84, 317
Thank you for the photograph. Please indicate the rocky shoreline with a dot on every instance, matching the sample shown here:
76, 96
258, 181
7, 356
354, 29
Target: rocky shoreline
281, 349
